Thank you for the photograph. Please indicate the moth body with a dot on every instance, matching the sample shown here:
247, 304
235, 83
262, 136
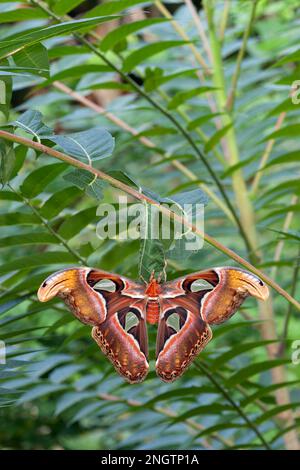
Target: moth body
152, 294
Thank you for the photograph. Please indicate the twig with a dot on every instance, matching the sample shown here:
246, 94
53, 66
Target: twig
144, 140
183, 34
46, 224
200, 28
239, 410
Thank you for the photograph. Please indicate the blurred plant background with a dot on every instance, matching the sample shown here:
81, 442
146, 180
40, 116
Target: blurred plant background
198, 97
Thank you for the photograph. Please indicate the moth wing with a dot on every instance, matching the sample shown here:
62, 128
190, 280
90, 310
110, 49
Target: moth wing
90, 293
104, 300
224, 291
126, 346
177, 346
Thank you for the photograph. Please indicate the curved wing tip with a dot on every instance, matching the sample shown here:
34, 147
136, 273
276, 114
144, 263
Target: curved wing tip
264, 293
43, 292
42, 297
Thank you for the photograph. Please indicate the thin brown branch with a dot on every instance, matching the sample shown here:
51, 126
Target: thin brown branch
183, 34
200, 28
144, 140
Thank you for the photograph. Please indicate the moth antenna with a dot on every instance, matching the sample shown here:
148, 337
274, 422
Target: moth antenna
164, 272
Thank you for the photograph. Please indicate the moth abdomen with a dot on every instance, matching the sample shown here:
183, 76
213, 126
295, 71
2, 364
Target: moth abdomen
152, 311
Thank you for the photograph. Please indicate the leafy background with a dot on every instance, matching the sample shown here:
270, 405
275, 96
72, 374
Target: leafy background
148, 91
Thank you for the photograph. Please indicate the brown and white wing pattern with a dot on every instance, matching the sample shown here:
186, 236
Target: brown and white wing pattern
126, 347
105, 300
176, 347
229, 288
224, 291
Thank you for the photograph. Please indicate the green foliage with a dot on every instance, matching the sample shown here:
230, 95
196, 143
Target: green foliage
56, 389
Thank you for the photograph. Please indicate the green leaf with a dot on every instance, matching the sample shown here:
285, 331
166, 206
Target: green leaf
31, 122
182, 96
31, 238
290, 157
9, 196
292, 234
253, 369
38, 180
220, 427
283, 210
265, 391
108, 85
20, 155
276, 411
293, 130
125, 178
58, 202
10, 304
137, 57
87, 182
183, 157
11, 46
88, 146
63, 373
213, 409
75, 223
293, 57
202, 120
65, 50
34, 58
121, 32
62, 7
109, 8
179, 393
195, 196
22, 14
215, 139
70, 399
16, 218
284, 106
40, 368
7, 161
41, 259
157, 130
18, 71
39, 391
77, 72
86, 410
154, 77
236, 351
152, 255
